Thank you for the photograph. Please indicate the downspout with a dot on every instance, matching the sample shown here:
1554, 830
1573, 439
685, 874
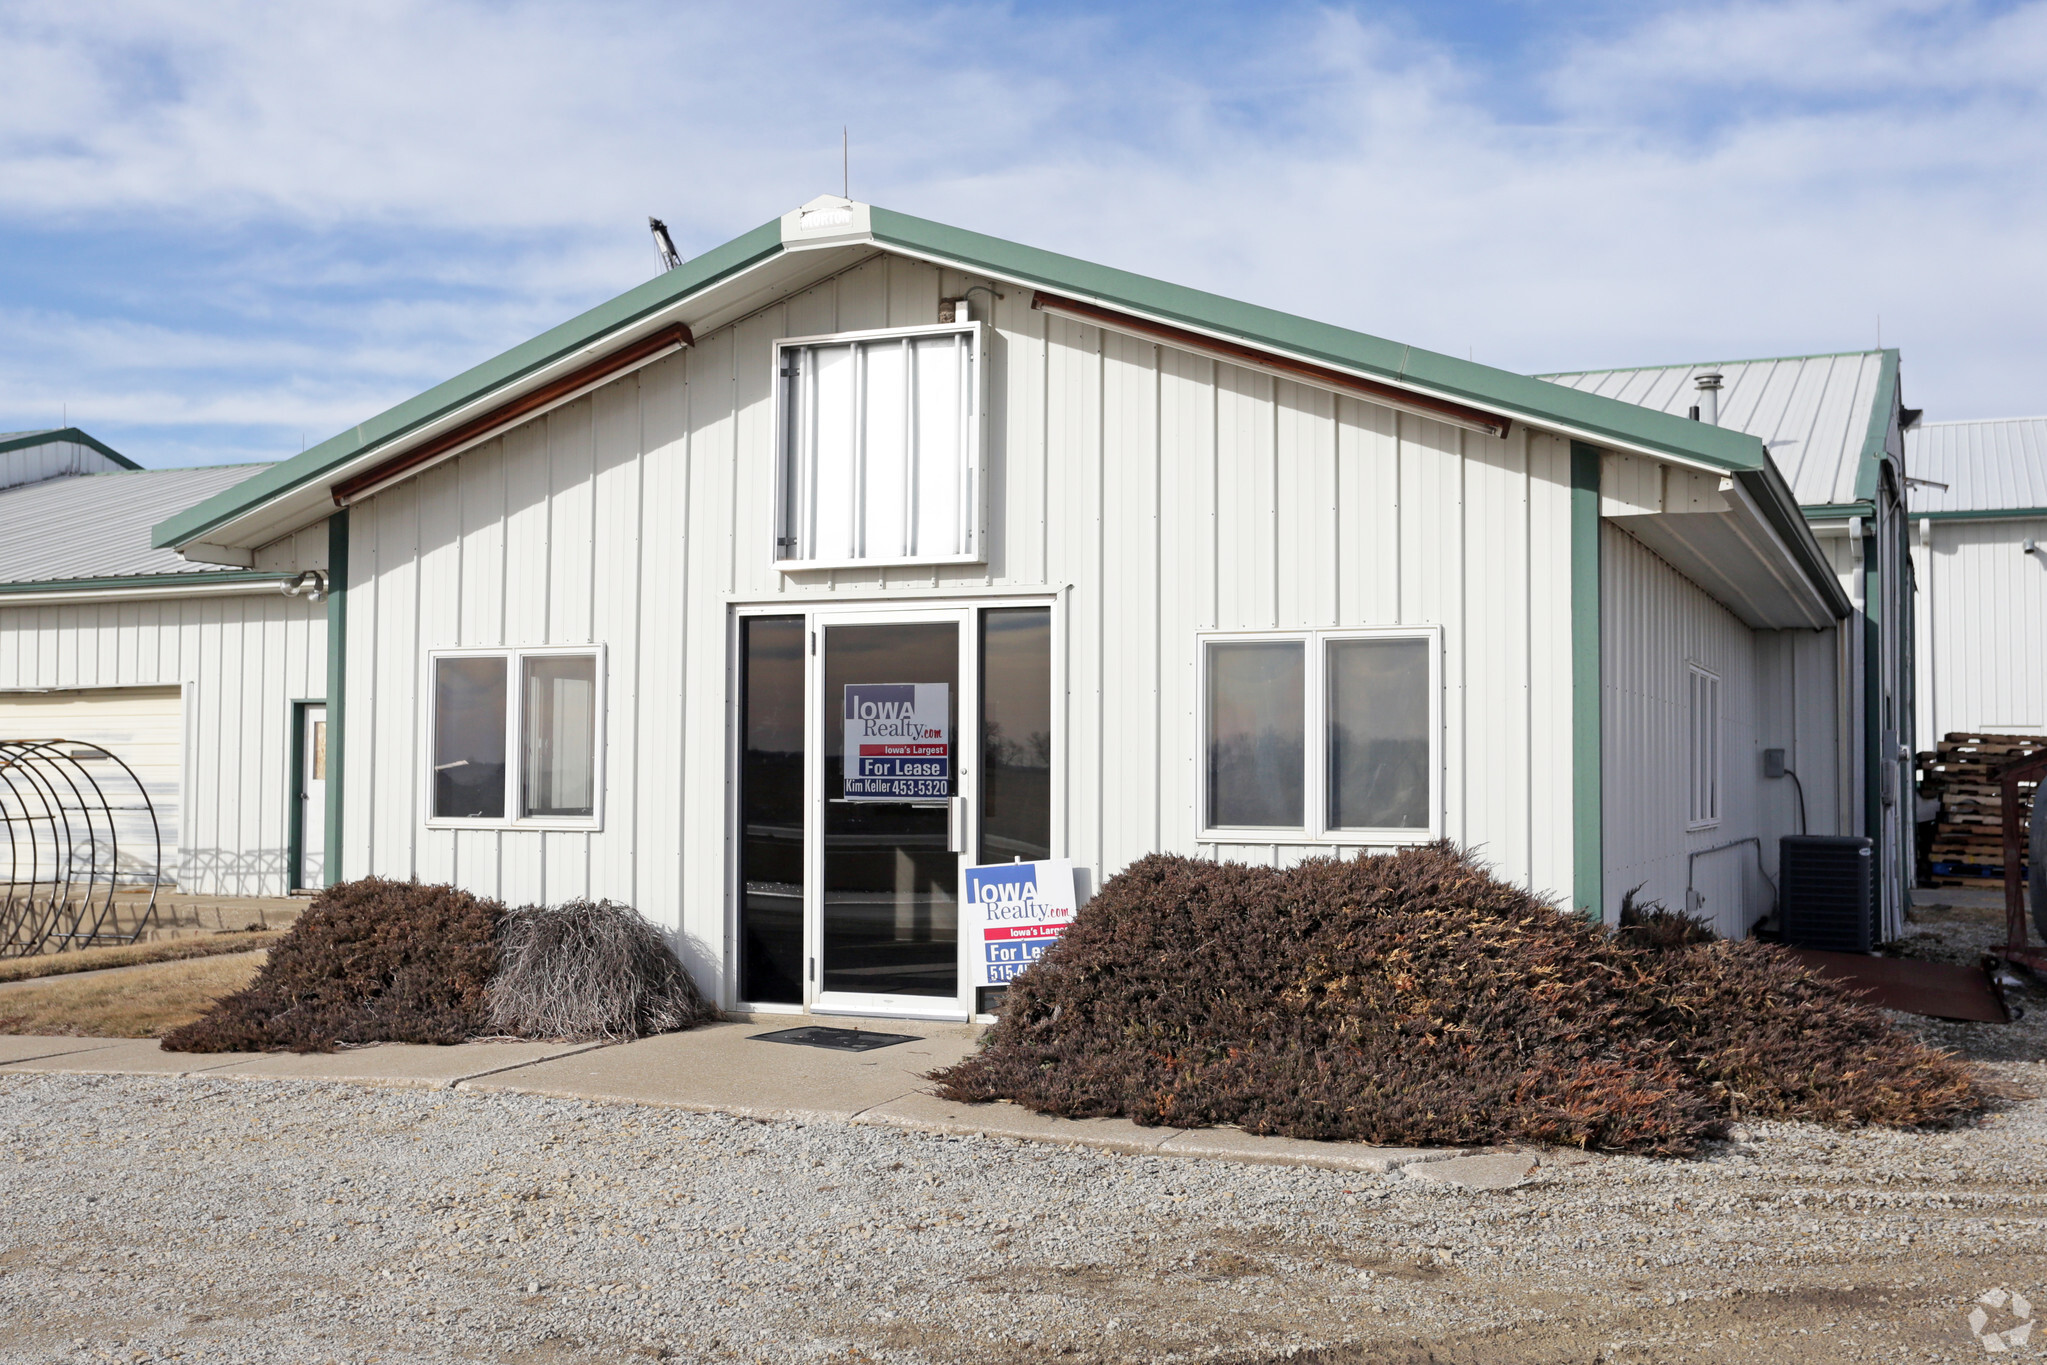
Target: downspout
337, 682
1588, 777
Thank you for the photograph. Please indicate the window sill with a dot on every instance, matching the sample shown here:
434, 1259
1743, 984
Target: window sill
912, 562
531, 825
1378, 838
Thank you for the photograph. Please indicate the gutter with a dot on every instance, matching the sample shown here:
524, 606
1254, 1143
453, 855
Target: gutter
139, 587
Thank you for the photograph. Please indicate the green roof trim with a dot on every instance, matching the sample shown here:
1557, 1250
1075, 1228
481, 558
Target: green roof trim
636, 303
1774, 499
1592, 417
1268, 328
1836, 511
61, 434
143, 580
1883, 410
1983, 514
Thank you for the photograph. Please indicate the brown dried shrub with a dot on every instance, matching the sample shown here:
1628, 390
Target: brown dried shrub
370, 961
1415, 999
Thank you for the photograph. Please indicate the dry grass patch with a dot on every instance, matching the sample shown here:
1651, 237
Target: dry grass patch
132, 954
145, 1003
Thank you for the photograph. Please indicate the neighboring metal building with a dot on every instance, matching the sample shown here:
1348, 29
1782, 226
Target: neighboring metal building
199, 677
1835, 425
1141, 568
1979, 507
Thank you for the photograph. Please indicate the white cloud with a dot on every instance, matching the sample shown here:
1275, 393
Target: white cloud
1751, 178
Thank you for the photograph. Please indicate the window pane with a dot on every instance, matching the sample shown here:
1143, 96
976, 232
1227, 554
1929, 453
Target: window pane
1379, 763
875, 464
558, 767
771, 810
941, 449
828, 458
1016, 734
469, 739
1255, 737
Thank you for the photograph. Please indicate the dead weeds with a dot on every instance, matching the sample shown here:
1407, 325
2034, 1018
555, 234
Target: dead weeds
146, 1002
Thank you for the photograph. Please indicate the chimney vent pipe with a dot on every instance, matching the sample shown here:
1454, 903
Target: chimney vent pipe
1709, 394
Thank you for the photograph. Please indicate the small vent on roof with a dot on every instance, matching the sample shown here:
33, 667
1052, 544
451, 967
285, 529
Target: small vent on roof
1709, 394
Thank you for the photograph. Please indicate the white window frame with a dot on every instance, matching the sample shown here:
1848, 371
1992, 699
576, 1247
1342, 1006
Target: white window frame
976, 456
1316, 829
1704, 802
515, 748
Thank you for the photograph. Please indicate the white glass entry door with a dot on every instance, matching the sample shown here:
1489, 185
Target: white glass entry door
889, 784
877, 753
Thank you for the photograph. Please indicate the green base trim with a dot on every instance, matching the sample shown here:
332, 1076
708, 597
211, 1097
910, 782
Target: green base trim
337, 682
1588, 779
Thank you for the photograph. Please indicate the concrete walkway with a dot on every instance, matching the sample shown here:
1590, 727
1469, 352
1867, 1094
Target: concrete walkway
722, 1068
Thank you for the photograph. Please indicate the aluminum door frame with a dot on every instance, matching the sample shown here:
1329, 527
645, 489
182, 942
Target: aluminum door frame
967, 607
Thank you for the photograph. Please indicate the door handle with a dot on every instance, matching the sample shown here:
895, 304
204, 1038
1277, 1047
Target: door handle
956, 825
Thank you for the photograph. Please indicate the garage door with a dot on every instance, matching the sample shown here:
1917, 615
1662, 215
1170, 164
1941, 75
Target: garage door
141, 725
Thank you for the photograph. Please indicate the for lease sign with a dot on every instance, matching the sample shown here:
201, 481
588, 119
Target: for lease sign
898, 741
1014, 912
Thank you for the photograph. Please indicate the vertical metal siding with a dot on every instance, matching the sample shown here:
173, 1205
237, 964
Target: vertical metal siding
1654, 622
1154, 492
242, 661
1982, 629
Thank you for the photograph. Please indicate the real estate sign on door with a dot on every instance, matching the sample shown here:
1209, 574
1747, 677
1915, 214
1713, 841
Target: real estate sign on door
898, 741
1014, 912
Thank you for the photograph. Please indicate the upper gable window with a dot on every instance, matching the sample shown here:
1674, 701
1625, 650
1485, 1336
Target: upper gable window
879, 438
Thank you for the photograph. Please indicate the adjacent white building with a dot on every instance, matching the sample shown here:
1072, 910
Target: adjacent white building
207, 681
1979, 545
1061, 561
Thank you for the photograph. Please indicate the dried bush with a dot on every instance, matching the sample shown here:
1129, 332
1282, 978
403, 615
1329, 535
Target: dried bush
589, 971
1649, 925
369, 961
1415, 999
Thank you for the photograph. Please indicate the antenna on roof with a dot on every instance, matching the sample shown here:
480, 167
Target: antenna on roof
664, 245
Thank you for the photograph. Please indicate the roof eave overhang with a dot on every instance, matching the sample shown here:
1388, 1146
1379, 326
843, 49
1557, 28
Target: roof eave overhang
299, 492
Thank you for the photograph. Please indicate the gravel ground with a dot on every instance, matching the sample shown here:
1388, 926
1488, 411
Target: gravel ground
244, 1220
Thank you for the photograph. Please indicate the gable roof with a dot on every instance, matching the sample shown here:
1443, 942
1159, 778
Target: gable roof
32, 456
79, 530
829, 234
1827, 420
1991, 467
670, 295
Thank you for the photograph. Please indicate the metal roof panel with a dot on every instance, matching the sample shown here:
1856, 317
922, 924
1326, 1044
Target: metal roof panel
97, 525
1992, 465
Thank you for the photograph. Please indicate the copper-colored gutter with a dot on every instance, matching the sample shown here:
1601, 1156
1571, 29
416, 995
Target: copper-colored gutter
623, 358
1267, 360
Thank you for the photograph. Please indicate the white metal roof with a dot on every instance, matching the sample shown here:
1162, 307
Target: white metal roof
97, 525
1994, 465
1814, 412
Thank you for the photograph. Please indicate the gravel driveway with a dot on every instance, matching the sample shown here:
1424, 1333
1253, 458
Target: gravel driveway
148, 1219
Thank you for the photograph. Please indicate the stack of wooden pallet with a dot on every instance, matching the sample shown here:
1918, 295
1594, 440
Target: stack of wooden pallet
1968, 843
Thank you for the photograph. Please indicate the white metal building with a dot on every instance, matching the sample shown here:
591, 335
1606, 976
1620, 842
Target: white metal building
205, 680
1979, 545
1150, 568
1835, 425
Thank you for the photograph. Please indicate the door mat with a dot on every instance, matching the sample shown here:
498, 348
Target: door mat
837, 1039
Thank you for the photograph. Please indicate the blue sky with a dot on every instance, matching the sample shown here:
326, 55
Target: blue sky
227, 229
